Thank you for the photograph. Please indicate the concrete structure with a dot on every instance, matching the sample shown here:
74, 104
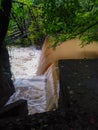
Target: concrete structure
48, 64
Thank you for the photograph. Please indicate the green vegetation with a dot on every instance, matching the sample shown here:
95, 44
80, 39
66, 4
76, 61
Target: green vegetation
67, 19
25, 27
60, 19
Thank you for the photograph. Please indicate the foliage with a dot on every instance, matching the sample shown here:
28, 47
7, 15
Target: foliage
26, 15
36, 27
60, 19
67, 19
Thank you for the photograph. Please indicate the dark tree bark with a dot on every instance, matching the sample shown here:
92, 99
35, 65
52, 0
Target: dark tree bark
4, 18
6, 84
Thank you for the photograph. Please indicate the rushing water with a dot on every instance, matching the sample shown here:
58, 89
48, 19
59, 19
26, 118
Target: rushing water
24, 63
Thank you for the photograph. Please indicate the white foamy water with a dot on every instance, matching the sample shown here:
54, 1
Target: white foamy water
24, 63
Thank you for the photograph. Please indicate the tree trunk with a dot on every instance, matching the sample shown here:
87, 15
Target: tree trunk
6, 84
4, 18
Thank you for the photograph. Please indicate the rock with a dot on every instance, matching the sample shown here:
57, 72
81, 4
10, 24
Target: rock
18, 108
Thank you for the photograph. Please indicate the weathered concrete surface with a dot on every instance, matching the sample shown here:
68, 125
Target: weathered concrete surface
67, 50
79, 85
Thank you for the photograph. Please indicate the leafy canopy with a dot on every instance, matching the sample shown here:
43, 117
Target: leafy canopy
67, 19
63, 19
26, 18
